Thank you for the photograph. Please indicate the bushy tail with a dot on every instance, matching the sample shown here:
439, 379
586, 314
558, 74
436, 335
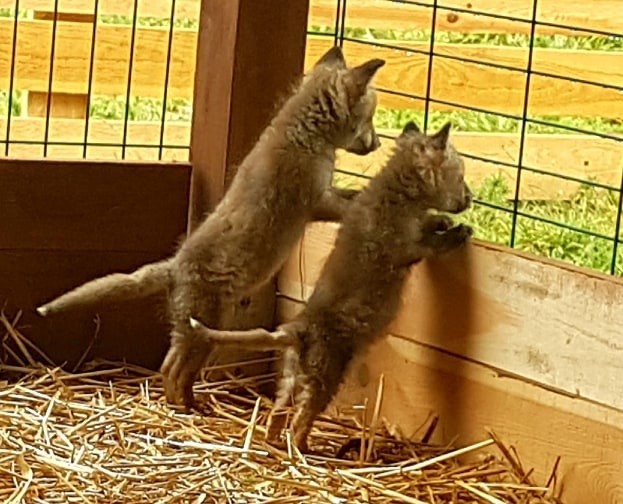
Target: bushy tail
148, 280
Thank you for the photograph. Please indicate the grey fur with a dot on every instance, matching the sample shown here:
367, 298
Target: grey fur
282, 184
387, 229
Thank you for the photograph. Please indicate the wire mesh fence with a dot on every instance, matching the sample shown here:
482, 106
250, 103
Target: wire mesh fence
97, 79
536, 99
535, 95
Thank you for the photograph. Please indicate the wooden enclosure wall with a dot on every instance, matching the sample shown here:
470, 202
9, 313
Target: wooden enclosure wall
488, 337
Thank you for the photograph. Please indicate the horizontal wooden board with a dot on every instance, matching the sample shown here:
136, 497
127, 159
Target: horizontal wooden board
184, 9
421, 381
379, 14
146, 134
112, 51
579, 156
383, 15
487, 88
573, 155
454, 81
105, 206
544, 321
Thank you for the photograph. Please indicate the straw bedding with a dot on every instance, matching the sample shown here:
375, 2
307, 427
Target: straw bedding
105, 434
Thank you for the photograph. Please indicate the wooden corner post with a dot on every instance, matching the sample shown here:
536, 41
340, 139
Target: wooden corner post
249, 53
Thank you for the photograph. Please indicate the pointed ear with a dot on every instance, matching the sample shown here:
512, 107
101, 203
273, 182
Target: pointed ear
440, 139
410, 127
333, 57
362, 75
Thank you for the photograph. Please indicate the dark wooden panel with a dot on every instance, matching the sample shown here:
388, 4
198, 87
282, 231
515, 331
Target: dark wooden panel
135, 331
85, 205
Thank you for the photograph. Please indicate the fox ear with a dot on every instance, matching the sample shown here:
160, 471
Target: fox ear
410, 127
333, 57
361, 75
440, 139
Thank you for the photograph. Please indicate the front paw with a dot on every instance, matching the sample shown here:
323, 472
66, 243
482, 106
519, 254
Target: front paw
460, 233
437, 223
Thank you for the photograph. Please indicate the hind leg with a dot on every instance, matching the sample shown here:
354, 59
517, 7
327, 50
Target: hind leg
311, 401
285, 393
182, 365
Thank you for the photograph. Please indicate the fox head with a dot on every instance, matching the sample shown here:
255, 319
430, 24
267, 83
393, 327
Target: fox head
432, 170
343, 102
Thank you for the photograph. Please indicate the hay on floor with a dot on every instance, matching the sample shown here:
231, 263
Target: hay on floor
106, 435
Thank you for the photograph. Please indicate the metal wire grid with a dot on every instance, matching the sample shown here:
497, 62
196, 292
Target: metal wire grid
340, 37
124, 145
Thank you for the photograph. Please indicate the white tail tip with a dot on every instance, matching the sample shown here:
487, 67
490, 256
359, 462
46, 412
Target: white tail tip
43, 311
194, 323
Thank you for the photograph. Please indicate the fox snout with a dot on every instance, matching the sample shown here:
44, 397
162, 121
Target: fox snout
365, 143
465, 202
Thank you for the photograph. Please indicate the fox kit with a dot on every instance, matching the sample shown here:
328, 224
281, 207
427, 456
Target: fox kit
283, 183
387, 229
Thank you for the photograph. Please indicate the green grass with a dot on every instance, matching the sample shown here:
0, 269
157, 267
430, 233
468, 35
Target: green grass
589, 209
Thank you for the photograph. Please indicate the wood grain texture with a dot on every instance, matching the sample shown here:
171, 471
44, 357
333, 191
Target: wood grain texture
421, 381
572, 155
379, 14
598, 15
454, 81
576, 156
75, 205
491, 89
544, 321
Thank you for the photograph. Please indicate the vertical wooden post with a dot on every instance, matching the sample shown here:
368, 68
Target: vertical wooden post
65, 105
248, 54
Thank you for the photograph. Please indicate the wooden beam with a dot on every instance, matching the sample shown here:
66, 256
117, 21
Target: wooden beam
232, 106
97, 206
544, 321
454, 81
468, 397
380, 15
600, 15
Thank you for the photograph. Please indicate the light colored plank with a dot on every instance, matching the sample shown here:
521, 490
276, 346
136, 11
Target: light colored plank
577, 156
542, 320
110, 74
380, 14
453, 81
100, 131
490, 88
188, 9
542, 425
573, 155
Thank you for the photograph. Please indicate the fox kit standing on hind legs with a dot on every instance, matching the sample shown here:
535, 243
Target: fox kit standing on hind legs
283, 183
387, 229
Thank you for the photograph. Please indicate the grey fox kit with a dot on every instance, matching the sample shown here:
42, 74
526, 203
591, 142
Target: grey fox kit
387, 229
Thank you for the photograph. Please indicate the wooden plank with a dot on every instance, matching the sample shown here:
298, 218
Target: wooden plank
455, 81
184, 9
112, 50
76, 205
233, 105
101, 131
421, 381
488, 88
383, 15
545, 321
577, 156
573, 155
